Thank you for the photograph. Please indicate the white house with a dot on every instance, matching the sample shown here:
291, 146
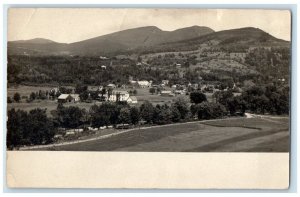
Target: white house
132, 82
54, 90
132, 99
103, 58
165, 93
165, 82
111, 85
179, 92
75, 97
67, 98
144, 84
64, 98
123, 95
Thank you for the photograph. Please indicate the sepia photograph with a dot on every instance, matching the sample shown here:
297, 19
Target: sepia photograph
148, 80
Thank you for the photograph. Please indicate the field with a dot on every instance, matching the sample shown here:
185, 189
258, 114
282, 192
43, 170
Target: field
142, 95
48, 104
24, 90
267, 134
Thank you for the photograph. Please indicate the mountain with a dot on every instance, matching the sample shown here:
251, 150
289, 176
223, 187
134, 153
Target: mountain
37, 46
133, 38
119, 41
234, 39
149, 39
34, 41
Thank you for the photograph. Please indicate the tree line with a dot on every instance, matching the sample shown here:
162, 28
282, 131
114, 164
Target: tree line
34, 127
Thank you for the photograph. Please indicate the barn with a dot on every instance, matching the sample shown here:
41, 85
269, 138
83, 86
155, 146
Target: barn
65, 98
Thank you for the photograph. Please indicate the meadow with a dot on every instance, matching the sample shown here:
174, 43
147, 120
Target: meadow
229, 135
142, 95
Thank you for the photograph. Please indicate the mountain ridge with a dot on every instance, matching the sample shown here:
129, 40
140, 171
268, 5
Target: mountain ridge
144, 38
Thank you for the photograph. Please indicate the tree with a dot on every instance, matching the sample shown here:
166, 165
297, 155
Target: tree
118, 96
14, 128
176, 116
41, 128
32, 96
103, 92
9, 100
28, 128
109, 92
223, 97
146, 111
182, 107
105, 114
162, 114
17, 97
134, 92
69, 117
94, 95
135, 115
84, 96
197, 97
207, 110
124, 116
152, 90
80, 89
236, 104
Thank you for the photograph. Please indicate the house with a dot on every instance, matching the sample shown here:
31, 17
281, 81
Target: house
54, 91
144, 84
118, 95
111, 85
70, 133
165, 93
65, 98
195, 85
179, 92
165, 82
76, 97
132, 99
103, 67
132, 82
103, 58
93, 88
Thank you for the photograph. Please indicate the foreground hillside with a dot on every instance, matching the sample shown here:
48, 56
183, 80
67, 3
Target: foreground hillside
266, 134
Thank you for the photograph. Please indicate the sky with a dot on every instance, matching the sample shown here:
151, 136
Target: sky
69, 25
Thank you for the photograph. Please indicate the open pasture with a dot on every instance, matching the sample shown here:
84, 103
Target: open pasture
231, 135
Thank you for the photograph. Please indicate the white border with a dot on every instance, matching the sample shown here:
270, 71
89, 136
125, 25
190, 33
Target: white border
64, 2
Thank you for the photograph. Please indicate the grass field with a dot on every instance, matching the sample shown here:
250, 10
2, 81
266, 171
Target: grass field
48, 104
231, 135
24, 90
142, 96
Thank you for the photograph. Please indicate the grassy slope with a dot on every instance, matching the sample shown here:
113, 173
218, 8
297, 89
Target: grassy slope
232, 135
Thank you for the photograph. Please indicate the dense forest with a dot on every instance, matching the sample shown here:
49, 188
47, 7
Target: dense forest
263, 65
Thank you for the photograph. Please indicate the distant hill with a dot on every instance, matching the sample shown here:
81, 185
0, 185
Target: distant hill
149, 39
119, 41
234, 39
34, 41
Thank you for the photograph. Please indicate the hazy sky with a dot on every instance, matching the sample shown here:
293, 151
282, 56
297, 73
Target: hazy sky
75, 24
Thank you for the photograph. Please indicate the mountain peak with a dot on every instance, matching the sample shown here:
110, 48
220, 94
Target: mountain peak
35, 41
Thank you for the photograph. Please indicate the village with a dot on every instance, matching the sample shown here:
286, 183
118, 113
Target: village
135, 93
89, 96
